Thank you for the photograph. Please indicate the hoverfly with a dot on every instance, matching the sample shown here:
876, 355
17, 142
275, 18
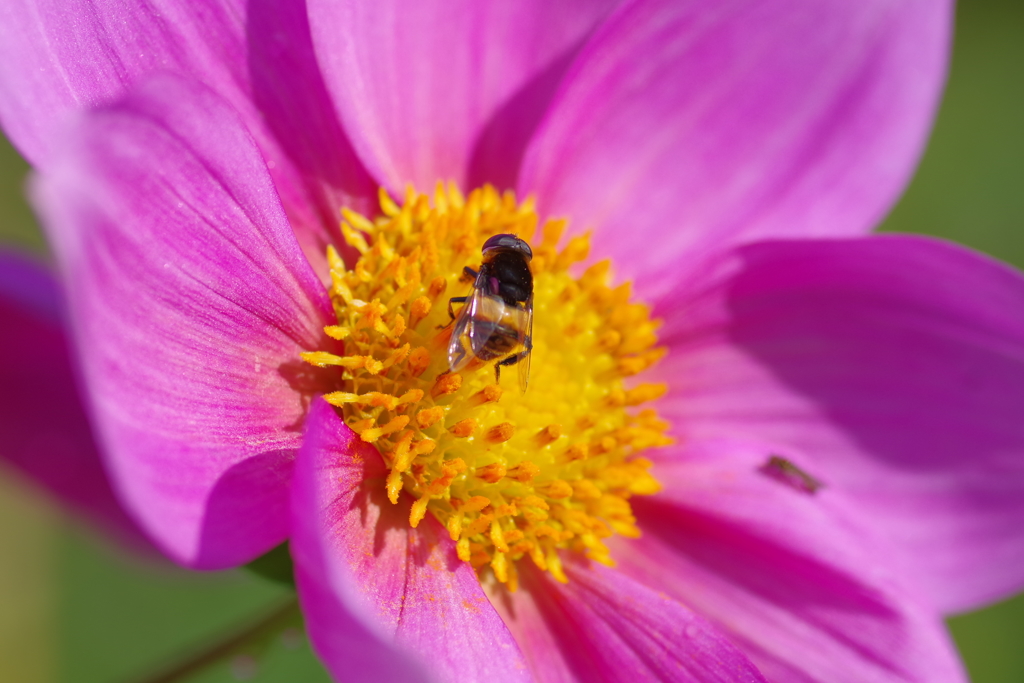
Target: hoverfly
496, 321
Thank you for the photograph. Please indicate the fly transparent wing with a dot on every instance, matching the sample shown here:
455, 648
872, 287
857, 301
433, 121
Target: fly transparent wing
470, 333
527, 342
489, 313
459, 353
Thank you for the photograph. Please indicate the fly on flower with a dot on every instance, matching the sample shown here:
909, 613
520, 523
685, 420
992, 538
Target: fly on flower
433, 520
496, 321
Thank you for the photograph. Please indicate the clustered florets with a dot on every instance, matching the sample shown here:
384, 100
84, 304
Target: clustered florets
508, 475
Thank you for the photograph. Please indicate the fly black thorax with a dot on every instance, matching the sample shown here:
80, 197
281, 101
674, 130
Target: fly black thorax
507, 274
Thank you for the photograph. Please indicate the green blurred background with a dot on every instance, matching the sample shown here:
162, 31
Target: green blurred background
75, 610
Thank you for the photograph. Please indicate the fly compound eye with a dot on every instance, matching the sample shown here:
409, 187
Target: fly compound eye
524, 249
507, 242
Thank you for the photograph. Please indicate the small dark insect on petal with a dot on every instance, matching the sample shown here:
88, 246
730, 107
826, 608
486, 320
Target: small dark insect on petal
785, 472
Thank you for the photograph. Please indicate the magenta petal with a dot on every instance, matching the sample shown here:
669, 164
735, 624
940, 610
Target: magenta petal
348, 647
703, 124
603, 626
790, 575
58, 57
350, 651
28, 286
190, 301
895, 366
61, 56
311, 160
44, 431
405, 584
446, 90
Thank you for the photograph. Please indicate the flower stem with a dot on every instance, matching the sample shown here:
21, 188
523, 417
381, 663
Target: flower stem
263, 629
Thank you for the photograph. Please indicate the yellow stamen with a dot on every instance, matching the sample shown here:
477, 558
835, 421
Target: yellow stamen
509, 475
500, 433
464, 428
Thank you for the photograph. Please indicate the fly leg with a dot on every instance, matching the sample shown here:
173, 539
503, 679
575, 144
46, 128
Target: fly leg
455, 300
468, 274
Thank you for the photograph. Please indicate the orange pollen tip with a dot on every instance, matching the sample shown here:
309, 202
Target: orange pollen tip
491, 473
447, 383
463, 428
419, 310
428, 417
577, 451
501, 433
419, 360
475, 504
437, 287
524, 471
489, 394
548, 435
558, 489
511, 475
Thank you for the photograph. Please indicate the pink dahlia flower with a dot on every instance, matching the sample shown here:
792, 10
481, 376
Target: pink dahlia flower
846, 459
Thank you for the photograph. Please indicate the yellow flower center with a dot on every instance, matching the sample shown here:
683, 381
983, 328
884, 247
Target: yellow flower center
510, 475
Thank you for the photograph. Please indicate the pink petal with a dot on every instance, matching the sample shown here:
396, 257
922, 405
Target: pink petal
895, 367
361, 563
435, 91
43, 425
28, 286
793, 579
58, 57
350, 651
316, 170
603, 626
190, 302
702, 124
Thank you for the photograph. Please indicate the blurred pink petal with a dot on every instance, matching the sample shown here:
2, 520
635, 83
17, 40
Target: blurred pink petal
44, 430
446, 91
698, 125
895, 366
190, 302
792, 576
603, 626
60, 57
